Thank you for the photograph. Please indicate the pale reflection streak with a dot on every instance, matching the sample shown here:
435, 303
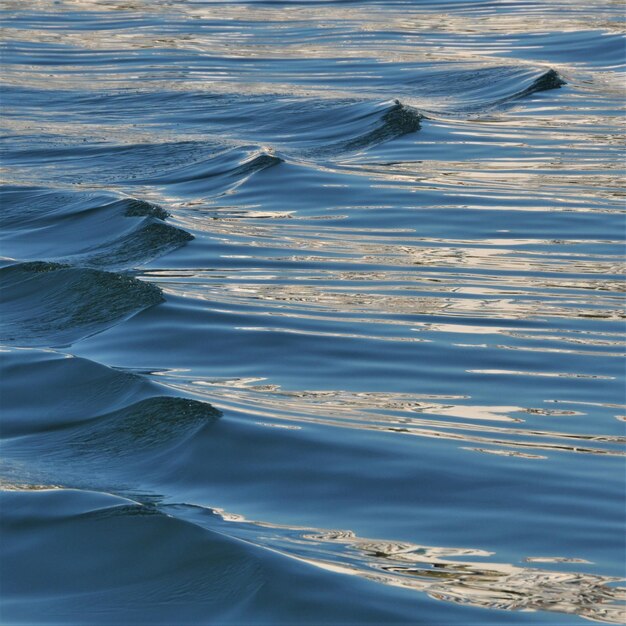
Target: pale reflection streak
390, 298
353, 24
445, 574
395, 413
358, 247
554, 185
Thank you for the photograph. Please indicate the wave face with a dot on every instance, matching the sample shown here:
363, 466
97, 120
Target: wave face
312, 313
51, 304
87, 229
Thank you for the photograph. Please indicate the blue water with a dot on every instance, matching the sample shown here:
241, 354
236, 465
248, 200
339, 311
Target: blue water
312, 312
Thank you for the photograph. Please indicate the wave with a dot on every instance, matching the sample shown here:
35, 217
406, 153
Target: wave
74, 420
48, 390
219, 166
461, 92
94, 549
363, 351
87, 561
549, 80
146, 242
201, 558
85, 228
150, 426
149, 423
141, 208
223, 171
69, 412
397, 120
53, 304
447, 574
286, 121
362, 124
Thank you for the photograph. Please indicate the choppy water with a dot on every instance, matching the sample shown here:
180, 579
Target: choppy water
312, 312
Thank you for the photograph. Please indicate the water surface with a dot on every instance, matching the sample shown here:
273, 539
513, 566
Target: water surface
312, 312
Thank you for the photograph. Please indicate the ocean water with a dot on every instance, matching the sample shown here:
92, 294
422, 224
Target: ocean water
312, 312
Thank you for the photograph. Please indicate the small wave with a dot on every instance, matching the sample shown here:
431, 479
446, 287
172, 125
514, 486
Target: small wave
222, 168
466, 229
549, 80
463, 92
397, 120
53, 304
73, 413
443, 573
141, 208
150, 423
45, 390
257, 163
86, 228
60, 546
150, 240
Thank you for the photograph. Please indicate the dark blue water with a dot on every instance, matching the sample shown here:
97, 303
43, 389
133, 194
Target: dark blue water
312, 312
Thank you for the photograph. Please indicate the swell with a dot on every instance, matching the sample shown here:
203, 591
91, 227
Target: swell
90, 229
146, 242
357, 126
373, 128
223, 171
68, 389
447, 574
61, 546
146, 428
324, 129
59, 300
200, 557
80, 423
453, 86
53, 304
480, 90
550, 80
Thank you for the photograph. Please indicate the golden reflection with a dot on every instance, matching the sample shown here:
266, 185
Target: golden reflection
453, 418
389, 293
447, 574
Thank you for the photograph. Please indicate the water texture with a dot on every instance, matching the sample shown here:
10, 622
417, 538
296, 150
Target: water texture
312, 312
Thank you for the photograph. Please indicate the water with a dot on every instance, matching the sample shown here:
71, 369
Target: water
312, 312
